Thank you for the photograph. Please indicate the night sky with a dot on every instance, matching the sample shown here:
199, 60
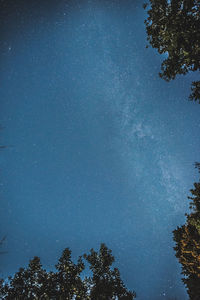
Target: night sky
100, 149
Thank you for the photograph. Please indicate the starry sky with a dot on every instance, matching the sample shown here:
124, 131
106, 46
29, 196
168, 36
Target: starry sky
100, 149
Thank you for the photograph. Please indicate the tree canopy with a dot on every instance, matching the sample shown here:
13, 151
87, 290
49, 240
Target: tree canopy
172, 28
67, 283
187, 238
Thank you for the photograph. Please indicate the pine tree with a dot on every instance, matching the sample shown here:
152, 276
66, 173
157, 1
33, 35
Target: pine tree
27, 283
106, 282
66, 282
187, 238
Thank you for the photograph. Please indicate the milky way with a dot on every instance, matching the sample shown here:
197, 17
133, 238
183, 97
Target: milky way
102, 150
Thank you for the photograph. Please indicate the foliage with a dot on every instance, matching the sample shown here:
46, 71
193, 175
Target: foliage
187, 238
173, 28
105, 282
66, 283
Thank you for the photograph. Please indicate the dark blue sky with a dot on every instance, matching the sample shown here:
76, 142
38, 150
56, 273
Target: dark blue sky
101, 149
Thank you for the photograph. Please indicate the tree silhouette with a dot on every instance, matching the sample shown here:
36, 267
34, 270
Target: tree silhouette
172, 28
187, 238
106, 282
66, 282
27, 283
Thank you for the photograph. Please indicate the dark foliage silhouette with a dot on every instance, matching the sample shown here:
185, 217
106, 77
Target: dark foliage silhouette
173, 28
66, 282
187, 238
